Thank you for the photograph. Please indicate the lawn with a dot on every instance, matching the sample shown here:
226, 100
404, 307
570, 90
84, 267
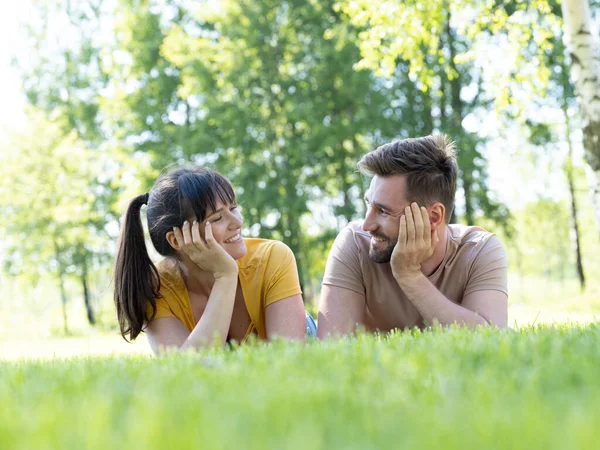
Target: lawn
440, 389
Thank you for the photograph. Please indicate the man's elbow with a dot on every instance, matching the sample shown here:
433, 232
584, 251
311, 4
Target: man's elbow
330, 328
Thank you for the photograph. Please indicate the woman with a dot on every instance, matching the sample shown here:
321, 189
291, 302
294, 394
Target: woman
213, 284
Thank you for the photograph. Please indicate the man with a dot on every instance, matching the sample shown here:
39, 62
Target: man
405, 266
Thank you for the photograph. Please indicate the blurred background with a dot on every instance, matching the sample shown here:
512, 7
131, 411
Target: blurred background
283, 97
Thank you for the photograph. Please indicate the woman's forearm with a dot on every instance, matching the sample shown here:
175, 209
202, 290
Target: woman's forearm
216, 319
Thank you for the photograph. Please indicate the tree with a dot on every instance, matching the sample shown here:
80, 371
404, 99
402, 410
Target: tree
585, 70
437, 50
548, 131
63, 74
65, 78
51, 212
259, 90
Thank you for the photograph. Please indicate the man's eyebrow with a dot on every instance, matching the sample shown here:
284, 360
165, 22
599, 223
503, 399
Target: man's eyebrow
377, 204
382, 206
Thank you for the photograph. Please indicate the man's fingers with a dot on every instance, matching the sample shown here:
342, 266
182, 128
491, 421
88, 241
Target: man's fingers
426, 226
402, 235
435, 238
418, 218
410, 225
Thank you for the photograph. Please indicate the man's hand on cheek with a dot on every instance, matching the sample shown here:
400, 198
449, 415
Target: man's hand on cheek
416, 242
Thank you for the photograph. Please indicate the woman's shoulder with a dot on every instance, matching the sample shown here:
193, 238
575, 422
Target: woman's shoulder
173, 300
170, 275
260, 251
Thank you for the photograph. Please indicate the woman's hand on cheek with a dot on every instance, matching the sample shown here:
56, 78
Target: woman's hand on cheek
206, 253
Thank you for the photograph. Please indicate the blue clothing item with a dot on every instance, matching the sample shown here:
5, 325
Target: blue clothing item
311, 326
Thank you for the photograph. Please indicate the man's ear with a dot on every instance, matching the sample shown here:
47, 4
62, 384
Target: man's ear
172, 240
437, 213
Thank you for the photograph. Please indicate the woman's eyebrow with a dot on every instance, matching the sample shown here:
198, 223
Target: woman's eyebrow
214, 212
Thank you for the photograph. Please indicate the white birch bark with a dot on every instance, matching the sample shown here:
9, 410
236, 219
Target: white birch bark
583, 47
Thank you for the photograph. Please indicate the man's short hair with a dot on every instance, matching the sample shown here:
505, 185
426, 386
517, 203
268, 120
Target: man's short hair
428, 163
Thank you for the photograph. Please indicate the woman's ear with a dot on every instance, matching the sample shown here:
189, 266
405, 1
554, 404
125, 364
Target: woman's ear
436, 215
172, 240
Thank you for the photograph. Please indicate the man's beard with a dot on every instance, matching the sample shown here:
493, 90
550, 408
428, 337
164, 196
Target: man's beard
382, 255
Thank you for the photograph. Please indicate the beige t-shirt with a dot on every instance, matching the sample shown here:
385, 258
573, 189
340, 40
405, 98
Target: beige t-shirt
475, 260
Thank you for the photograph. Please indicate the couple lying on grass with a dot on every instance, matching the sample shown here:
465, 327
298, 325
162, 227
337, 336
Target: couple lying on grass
403, 266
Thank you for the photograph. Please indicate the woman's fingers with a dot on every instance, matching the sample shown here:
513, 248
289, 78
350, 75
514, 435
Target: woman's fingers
210, 240
178, 236
198, 241
187, 233
188, 237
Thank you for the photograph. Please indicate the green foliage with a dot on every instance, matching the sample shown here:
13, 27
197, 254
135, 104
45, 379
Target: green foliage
54, 206
414, 31
52, 210
261, 91
63, 75
283, 98
433, 40
452, 389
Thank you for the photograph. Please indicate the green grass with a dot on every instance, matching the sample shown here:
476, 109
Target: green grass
441, 389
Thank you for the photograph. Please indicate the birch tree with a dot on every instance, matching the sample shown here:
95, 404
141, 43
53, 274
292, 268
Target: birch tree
585, 72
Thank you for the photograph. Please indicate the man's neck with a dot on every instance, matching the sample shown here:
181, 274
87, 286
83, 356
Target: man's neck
431, 264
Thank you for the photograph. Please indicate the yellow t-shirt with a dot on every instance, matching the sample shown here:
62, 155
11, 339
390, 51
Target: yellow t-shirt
267, 273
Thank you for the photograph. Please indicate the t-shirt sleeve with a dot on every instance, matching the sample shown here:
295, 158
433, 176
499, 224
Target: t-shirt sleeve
490, 268
343, 264
162, 305
281, 274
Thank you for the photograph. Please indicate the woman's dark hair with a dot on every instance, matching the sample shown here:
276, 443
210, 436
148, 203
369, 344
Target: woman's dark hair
177, 196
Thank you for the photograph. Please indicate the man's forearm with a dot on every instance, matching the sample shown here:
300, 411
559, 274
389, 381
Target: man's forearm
433, 305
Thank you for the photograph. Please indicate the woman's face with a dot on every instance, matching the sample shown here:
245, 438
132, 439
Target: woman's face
226, 223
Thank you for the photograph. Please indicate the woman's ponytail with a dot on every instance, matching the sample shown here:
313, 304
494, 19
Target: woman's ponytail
136, 279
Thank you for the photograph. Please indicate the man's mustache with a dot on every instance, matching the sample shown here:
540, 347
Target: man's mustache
380, 236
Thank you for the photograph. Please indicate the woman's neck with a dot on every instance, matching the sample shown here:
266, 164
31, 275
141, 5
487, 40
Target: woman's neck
196, 280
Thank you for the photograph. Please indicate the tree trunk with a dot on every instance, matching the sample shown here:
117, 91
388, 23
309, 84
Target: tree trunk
469, 211
585, 71
569, 171
571, 183
457, 131
453, 218
61, 283
88, 301
63, 297
361, 181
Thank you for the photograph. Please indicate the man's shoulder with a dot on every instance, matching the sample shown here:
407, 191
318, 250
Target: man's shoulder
466, 234
352, 236
344, 267
355, 228
473, 240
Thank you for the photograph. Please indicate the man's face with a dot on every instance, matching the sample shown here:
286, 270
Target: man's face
386, 200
